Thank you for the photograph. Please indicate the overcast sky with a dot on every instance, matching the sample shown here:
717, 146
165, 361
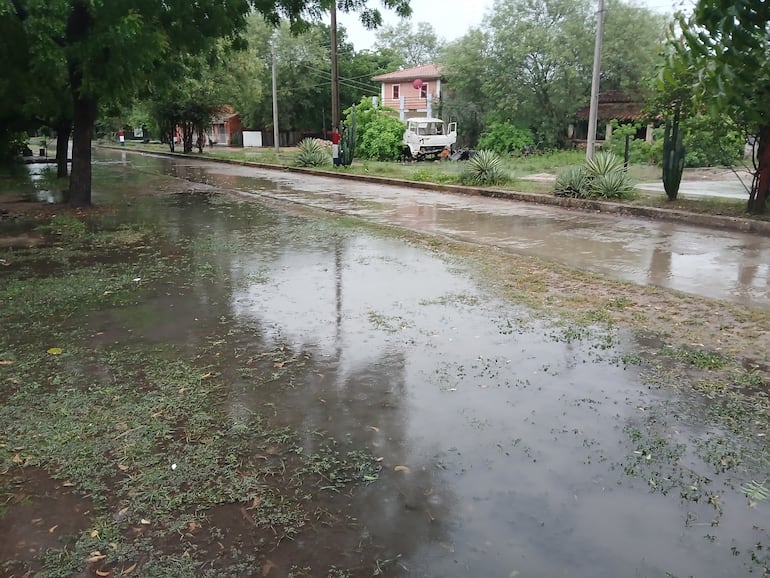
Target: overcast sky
451, 19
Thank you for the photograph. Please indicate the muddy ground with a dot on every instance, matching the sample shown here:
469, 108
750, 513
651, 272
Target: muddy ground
197, 385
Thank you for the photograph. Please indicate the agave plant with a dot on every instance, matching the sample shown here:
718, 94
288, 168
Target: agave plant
312, 154
614, 184
603, 163
486, 168
574, 182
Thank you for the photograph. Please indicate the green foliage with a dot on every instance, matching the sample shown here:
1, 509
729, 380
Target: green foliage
602, 164
484, 169
538, 53
504, 138
379, 134
673, 157
312, 154
348, 142
411, 47
712, 142
602, 177
574, 182
614, 184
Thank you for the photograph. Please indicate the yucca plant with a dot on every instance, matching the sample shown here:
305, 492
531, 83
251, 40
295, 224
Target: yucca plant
486, 168
614, 184
603, 163
574, 182
312, 154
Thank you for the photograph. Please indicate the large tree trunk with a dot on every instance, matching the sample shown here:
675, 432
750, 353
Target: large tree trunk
63, 130
80, 179
79, 27
759, 188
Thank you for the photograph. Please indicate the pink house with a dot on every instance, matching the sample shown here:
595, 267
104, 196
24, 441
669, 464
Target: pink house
413, 91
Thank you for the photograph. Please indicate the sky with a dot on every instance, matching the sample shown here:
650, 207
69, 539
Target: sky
451, 19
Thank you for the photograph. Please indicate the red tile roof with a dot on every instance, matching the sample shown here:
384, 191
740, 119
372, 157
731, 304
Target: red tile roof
425, 72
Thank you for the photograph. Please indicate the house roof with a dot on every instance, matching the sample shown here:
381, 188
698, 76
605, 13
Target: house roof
615, 104
425, 72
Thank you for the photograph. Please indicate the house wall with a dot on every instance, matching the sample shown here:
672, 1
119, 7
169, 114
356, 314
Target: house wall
413, 103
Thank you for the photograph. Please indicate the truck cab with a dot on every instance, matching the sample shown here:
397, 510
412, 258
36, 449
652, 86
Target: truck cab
427, 136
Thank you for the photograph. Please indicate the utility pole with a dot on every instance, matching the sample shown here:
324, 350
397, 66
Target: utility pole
593, 111
335, 71
276, 134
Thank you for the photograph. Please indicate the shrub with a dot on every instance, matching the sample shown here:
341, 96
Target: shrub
379, 134
486, 168
711, 143
602, 177
312, 154
603, 163
612, 185
574, 182
504, 138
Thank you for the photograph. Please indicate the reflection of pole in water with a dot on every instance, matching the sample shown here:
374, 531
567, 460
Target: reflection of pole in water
659, 272
338, 291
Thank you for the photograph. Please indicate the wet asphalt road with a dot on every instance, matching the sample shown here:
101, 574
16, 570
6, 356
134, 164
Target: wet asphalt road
717, 264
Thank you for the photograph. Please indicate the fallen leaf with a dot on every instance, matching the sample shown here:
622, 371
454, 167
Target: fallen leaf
52, 529
206, 375
401, 469
278, 364
68, 484
107, 293
6, 362
17, 459
129, 569
94, 534
55, 351
182, 390
267, 567
102, 572
144, 521
373, 428
123, 467
95, 557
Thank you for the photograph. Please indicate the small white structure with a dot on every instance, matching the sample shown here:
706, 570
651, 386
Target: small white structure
252, 138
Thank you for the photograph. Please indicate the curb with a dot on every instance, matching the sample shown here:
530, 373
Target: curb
653, 213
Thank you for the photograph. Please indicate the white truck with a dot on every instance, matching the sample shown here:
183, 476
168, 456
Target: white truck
426, 136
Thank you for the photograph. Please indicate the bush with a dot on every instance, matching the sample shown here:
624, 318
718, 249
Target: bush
312, 154
485, 168
602, 177
504, 138
379, 134
574, 182
711, 143
612, 185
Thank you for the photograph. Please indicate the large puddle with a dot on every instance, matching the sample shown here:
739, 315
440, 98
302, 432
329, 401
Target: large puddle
717, 264
510, 446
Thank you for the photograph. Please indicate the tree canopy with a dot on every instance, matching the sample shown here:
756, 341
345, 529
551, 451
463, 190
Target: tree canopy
110, 50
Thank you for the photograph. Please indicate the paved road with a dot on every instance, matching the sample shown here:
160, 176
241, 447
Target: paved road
718, 264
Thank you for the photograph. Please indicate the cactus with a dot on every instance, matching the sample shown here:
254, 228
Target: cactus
673, 157
348, 144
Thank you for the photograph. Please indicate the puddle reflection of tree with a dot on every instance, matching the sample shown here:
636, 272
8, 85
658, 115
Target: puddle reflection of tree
410, 505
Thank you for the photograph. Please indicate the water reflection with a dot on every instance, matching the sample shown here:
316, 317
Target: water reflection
700, 261
503, 443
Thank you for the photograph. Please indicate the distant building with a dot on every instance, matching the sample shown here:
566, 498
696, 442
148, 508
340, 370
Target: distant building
613, 105
412, 91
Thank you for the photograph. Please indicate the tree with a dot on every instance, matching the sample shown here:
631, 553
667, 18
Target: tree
466, 71
727, 46
112, 48
534, 70
413, 47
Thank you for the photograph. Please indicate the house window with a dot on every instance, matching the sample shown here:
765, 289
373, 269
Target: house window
396, 88
424, 90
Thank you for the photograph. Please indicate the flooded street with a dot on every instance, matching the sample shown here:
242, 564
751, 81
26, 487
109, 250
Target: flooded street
510, 444
717, 264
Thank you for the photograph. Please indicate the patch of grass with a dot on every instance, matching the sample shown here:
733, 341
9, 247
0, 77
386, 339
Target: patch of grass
698, 358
